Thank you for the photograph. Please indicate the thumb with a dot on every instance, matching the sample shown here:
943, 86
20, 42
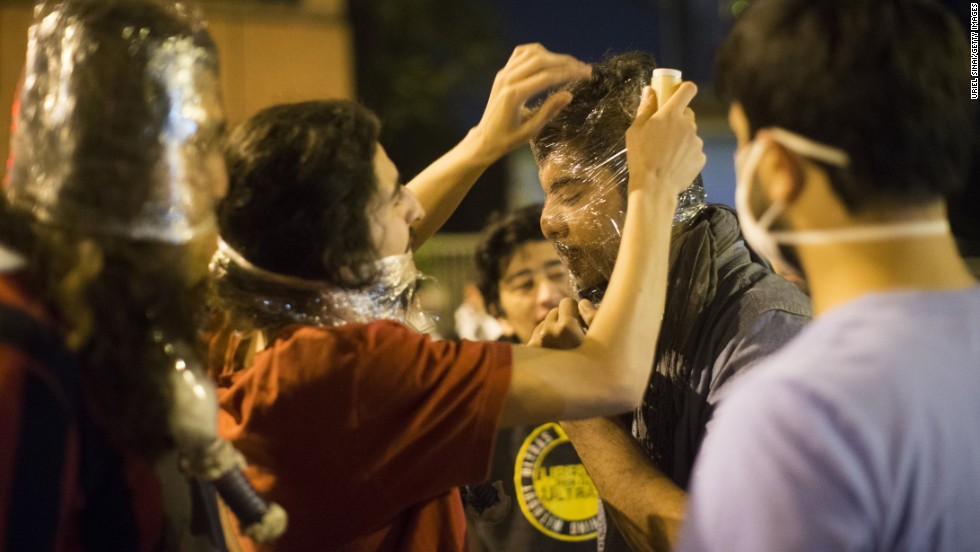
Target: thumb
587, 311
648, 104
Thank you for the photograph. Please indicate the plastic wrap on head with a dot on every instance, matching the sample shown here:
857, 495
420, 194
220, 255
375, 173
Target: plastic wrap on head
258, 299
120, 119
585, 180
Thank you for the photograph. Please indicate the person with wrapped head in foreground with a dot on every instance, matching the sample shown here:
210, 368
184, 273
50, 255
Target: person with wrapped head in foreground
108, 224
725, 308
359, 426
853, 120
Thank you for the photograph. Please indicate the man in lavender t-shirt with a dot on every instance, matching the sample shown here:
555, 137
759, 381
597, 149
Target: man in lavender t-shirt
853, 121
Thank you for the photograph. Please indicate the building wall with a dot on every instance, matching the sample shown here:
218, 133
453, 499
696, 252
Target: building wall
269, 54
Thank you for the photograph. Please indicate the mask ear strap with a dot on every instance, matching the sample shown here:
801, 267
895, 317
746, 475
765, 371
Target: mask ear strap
809, 148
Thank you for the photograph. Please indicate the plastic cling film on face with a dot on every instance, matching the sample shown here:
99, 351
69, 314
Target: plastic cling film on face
120, 119
581, 157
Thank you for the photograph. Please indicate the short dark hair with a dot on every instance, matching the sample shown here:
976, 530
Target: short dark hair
500, 239
883, 80
594, 124
301, 177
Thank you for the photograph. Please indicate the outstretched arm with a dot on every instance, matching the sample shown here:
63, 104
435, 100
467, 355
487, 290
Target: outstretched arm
531, 70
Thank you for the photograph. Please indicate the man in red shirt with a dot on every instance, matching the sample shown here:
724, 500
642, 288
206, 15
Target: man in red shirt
359, 426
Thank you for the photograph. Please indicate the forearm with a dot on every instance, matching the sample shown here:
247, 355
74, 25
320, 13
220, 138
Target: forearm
442, 185
639, 278
646, 506
607, 373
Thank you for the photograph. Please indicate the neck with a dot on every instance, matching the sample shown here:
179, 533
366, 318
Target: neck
842, 272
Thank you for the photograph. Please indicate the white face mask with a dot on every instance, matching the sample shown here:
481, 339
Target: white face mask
766, 242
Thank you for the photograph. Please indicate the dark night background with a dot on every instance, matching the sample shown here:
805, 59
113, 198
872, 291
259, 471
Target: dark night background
426, 67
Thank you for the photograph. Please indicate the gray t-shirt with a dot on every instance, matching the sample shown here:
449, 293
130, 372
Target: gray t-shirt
862, 434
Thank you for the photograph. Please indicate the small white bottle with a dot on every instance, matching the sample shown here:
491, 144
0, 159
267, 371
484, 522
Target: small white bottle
665, 82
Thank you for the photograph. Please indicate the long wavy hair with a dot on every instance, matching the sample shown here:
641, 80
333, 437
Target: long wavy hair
125, 294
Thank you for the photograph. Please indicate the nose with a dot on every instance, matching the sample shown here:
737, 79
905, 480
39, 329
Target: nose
554, 224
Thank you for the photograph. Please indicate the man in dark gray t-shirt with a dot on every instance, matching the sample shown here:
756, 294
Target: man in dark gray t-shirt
726, 309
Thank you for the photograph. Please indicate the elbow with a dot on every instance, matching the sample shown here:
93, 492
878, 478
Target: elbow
623, 381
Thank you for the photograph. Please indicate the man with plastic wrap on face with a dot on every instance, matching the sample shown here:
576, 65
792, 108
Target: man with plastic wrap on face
725, 310
107, 228
361, 427
853, 120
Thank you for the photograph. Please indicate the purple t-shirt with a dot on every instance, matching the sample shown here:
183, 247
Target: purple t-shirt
861, 434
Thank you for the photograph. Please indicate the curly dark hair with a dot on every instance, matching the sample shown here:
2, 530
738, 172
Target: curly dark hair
498, 242
884, 80
592, 127
301, 179
602, 108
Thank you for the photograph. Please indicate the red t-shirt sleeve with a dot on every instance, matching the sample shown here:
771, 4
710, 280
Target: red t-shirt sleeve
368, 417
442, 404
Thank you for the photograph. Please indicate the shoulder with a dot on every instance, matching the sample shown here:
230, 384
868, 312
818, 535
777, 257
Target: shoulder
760, 328
381, 337
832, 367
383, 349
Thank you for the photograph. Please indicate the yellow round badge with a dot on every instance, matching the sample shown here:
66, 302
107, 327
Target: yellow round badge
554, 492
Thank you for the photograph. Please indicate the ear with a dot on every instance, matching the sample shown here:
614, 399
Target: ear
787, 172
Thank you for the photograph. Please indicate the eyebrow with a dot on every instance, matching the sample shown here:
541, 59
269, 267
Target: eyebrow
516, 275
527, 271
565, 182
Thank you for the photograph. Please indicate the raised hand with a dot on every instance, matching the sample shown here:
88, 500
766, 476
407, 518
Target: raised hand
662, 145
531, 70
564, 327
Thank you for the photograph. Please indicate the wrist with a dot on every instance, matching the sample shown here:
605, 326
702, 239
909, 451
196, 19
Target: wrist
477, 148
657, 194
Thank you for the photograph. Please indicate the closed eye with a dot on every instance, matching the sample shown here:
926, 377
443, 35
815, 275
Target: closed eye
568, 190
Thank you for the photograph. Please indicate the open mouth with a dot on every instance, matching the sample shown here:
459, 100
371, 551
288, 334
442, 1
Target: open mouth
587, 279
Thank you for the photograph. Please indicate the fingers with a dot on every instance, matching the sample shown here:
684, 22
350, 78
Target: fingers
545, 328
681, 99
561, 328
677, 104
543, 60
545, 113
533, 69
663, 148
689, 115
567, 313
587, 311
